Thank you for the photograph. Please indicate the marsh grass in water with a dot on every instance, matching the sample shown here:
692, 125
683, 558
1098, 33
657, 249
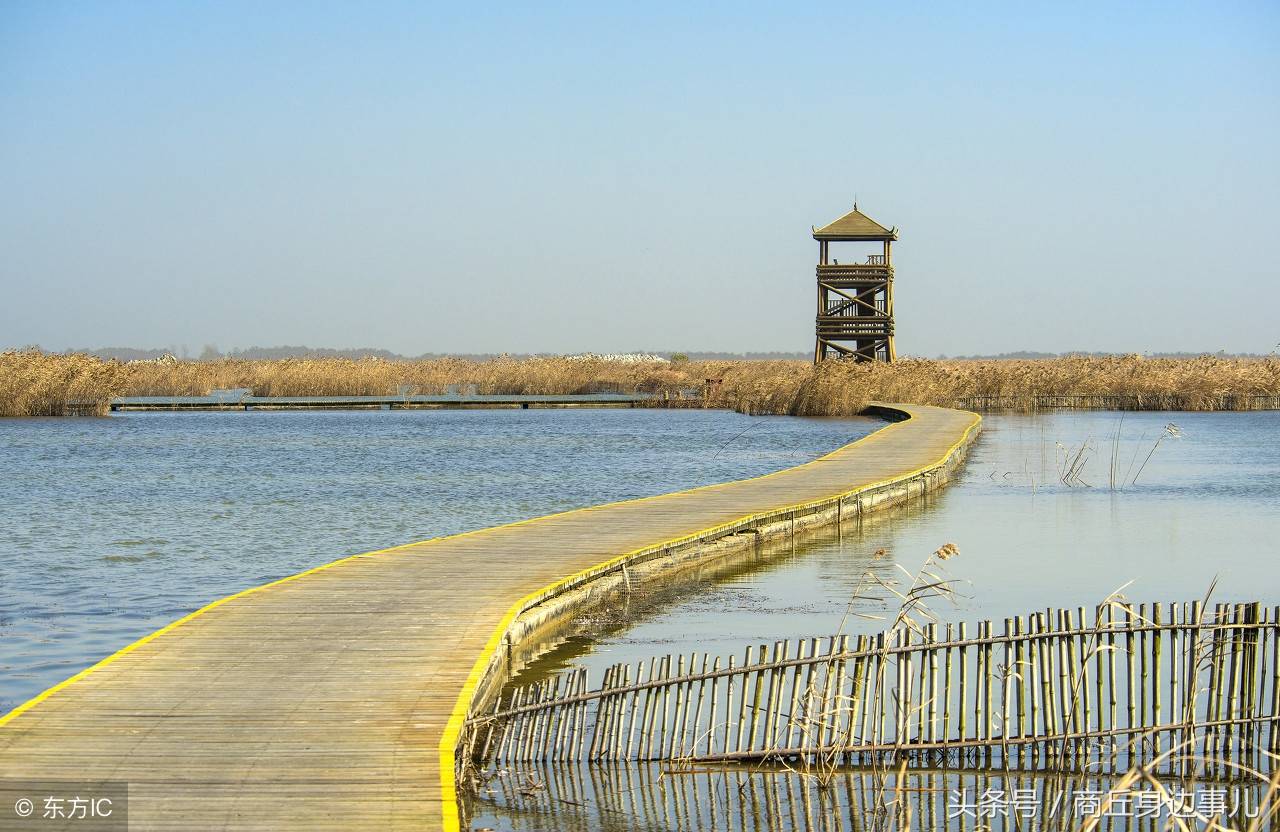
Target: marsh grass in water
35, 383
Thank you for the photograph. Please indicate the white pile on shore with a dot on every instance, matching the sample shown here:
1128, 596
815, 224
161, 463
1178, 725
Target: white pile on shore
620, 357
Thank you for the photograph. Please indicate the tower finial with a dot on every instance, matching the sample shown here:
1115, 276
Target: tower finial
855, 202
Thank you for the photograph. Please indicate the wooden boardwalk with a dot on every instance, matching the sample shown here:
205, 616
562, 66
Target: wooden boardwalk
334, 699
245, 401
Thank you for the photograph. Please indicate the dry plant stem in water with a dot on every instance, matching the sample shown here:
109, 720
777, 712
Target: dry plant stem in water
914, 615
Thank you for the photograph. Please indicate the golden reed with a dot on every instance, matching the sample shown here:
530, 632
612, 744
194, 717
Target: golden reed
34, 383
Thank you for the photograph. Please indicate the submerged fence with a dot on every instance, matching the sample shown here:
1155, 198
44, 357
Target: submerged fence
1149, 682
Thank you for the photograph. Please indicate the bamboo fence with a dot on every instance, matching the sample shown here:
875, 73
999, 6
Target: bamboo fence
1054, 689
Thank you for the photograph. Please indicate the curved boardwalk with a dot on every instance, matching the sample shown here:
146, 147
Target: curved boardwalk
332, 699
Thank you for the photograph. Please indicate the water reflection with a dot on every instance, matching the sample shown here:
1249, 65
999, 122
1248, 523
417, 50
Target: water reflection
599, 798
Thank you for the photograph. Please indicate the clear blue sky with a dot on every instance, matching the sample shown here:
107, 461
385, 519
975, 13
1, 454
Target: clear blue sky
571, 177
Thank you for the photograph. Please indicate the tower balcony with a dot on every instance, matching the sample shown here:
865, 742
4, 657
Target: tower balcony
856, 274
867, 326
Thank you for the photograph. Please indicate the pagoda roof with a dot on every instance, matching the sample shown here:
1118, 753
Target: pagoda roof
854, 226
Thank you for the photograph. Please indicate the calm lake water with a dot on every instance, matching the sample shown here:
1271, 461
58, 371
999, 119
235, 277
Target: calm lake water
111, 528
1206, 505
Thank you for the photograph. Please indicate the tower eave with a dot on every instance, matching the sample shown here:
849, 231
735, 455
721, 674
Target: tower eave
855, 238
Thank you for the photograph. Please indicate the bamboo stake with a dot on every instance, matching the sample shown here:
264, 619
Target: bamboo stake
563, 713
1220, 639
577, 684
904, 690
1175, 651
1132, 680
711, 719
1098, 649
508, 731
1111, 668
728, 704
742, 701
1253, 647
769, 740
980, 684
795, 730
664, 706
1072, 674
651, 723
1211, 709
964, 683
1006, 686
837, 733
597, 733
870, 667
1156, 620
931, 637
681, 689
617, 712
946, 687
635, 710
623, 713
1080, 679
1065, 703
553, 695
857, 701
584, 684
1274, 629
1048, 714
1144, 674
808, 740
757, 693
830, 692
527, 724
1033, 676
697, 714
1234, 677
987, 709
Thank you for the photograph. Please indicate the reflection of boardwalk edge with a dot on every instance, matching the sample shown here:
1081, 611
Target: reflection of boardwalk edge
335, 699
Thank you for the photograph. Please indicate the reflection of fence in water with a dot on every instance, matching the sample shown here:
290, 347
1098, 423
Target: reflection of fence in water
1050, 688
645, 796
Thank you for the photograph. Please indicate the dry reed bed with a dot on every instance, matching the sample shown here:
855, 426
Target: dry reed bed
34, 383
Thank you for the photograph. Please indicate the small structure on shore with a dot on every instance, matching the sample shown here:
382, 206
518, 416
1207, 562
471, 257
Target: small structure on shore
855, 300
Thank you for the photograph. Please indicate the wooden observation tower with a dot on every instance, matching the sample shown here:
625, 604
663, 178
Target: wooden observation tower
855, 300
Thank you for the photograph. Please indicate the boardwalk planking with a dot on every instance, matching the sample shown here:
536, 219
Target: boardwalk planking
330, 700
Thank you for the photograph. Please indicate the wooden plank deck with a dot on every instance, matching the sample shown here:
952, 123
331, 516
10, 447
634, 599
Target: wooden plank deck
331, 699
244, 401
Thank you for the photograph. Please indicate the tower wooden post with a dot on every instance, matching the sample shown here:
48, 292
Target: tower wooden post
855, 300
